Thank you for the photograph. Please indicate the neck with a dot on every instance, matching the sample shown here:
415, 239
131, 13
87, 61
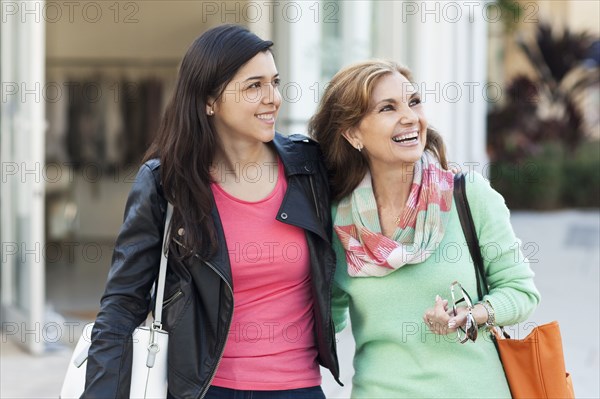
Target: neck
391, 186
234, 157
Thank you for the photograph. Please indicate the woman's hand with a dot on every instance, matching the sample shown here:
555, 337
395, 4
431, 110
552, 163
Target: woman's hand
479, 314
437, 317
459, 320
442, 321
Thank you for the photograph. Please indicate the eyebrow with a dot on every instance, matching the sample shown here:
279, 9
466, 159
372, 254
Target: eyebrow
393, 101
259, 77
387, 100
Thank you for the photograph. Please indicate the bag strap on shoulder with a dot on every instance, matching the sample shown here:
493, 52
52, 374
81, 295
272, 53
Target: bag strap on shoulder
468, 227
162, 273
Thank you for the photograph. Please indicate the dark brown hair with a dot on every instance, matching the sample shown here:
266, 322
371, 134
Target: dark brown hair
187, 141
345, 102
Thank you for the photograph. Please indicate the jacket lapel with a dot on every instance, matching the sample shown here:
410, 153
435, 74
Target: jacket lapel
299, 205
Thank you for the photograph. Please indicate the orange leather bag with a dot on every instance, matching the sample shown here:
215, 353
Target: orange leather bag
534, 366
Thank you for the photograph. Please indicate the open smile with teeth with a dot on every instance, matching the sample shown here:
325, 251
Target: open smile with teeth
406, 138
265, 117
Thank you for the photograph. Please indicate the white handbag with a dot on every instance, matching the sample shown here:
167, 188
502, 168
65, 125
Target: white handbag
150, 348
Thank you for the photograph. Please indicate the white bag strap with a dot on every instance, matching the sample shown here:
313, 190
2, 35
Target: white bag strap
162, 273
81, 357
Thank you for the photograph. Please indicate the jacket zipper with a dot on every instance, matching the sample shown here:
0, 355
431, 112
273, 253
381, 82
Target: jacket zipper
176, 295
312, 189
222, 343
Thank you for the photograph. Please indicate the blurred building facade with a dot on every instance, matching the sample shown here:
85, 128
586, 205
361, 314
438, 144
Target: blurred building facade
83, 83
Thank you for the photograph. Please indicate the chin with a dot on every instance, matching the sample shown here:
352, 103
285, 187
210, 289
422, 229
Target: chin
412, 160
267, 136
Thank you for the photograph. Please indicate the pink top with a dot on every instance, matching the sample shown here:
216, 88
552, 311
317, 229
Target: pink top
271, 343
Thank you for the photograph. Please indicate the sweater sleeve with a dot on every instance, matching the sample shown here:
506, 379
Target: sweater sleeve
339, 308
340, 299
513, 294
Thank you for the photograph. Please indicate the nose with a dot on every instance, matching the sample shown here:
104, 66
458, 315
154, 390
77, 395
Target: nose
272, 95
408, 116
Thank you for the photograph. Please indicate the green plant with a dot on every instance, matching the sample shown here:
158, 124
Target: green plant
533, 183
558, 58
536, 138
551, 179
544, 108
581, 177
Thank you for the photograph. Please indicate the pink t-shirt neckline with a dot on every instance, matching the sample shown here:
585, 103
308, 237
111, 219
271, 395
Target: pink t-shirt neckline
280, 178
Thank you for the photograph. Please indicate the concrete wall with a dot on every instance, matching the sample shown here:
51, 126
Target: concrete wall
146, 30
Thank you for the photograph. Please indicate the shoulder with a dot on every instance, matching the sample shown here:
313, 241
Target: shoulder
150, 170
152, 164
301, 138
298, 142
299, 151
477, 186
149, 177
310, 148
484, 201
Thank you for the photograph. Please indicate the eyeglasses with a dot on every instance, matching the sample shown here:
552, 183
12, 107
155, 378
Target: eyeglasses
469, 332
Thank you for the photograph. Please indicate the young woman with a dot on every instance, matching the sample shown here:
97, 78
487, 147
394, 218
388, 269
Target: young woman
400, 245
250, 265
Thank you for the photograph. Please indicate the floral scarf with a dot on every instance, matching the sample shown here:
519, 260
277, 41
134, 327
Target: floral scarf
420, 228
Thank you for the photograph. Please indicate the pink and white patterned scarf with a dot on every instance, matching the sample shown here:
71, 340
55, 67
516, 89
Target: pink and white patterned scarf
420, 229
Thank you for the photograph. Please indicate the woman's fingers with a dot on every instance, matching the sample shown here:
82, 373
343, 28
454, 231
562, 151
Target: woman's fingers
459, 320
439, 304
436, 318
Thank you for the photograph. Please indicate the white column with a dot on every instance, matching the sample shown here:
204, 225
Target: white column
8, 106
392, 38
23, 134
36, 113
298, 36
356, 17
478, 108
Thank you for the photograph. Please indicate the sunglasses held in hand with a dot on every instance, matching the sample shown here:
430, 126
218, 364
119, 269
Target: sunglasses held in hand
469, 331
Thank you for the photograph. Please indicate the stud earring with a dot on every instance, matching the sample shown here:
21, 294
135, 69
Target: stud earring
211, 112
359, 147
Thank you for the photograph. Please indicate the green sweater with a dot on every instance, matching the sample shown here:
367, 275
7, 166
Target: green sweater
396, 354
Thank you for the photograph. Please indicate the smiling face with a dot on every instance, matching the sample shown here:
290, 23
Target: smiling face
248, 107
394, 129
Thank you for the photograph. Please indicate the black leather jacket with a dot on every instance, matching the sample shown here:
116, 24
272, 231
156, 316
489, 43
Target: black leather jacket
198, 304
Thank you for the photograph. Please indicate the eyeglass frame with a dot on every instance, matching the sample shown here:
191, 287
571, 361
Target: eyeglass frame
469, 332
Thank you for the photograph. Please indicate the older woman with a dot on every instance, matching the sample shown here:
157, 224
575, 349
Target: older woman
400, 245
